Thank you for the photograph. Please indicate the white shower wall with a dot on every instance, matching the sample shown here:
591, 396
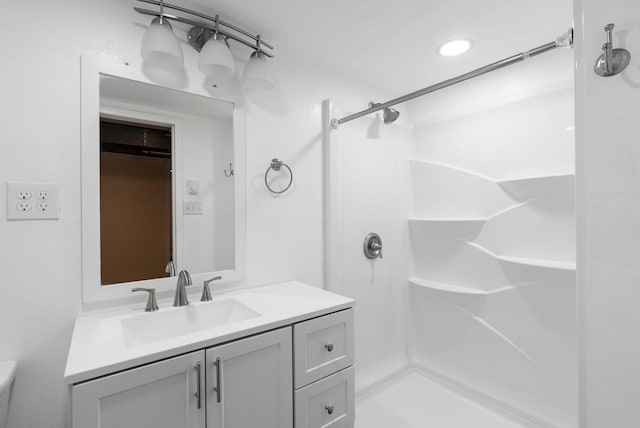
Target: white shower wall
365, 194
492, 239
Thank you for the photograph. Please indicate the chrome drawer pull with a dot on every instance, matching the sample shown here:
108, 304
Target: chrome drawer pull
329, 346
329, 409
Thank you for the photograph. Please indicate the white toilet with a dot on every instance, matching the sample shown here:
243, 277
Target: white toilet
7, 375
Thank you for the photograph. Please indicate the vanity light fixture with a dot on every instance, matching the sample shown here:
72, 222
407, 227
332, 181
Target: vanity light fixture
454, 47
257, 75
160, 46
210, 36
215, 58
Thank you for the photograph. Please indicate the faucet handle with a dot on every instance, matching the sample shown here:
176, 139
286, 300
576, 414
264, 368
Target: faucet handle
170, 268
206, 292
152, 304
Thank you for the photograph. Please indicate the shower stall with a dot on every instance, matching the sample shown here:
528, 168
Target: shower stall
468, 318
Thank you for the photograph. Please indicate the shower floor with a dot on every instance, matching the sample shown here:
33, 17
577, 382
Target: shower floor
414, 400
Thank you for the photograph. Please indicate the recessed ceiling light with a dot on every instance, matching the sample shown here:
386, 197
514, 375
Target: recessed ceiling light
454, 47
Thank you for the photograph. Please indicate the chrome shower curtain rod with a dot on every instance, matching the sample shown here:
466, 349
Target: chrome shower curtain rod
565, 40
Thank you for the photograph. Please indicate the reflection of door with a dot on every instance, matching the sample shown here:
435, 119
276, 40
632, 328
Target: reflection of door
135, 214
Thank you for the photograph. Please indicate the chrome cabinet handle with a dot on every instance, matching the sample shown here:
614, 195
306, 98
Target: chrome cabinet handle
218, 387
329, 346
198, 393
329, 409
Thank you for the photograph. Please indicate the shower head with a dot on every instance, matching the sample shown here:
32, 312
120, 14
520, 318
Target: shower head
390, 115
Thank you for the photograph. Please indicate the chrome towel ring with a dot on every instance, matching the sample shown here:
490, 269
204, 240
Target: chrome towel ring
276, 165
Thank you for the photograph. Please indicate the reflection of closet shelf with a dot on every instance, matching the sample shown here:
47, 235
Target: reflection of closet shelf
449, 288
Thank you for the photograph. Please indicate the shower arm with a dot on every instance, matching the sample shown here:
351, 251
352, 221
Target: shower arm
566, 39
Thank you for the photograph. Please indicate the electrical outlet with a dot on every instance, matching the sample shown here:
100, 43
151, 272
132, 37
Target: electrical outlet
23, 194
33, 201
192, 208
23, 207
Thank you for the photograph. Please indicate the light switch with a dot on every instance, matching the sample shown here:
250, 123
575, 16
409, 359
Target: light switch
193, 187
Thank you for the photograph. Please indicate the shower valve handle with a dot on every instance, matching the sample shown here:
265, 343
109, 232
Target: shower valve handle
375, 246
372, 246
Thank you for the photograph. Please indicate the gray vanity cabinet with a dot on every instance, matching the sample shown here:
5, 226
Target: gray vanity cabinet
162, 394
242, 384
249, 382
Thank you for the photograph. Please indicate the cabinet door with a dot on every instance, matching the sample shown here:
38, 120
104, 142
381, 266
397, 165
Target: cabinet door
249, 382
163, 394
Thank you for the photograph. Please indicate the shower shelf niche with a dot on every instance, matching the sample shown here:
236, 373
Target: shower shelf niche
449, 221
448, 288
534, 186
527, 261
540, 263
536, 178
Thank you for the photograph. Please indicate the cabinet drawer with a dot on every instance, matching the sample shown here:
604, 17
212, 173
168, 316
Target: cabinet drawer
328, 403
322, 346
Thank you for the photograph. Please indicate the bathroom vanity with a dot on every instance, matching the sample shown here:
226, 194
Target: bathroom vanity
276, 356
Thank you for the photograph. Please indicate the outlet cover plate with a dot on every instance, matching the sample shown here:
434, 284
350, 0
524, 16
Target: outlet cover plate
33, 201
192, 208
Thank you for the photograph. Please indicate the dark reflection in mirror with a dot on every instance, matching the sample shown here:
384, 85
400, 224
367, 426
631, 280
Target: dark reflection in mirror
136, 220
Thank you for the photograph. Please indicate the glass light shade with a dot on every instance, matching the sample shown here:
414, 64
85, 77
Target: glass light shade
215, 59
160, 47
257, 74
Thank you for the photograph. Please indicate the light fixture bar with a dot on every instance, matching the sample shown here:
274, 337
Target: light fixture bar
565, 40
203, 16
205, 26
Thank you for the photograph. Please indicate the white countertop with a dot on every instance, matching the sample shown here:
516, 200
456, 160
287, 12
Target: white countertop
98, 346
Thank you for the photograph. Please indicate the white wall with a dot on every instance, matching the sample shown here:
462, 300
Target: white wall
40, 268
608, 189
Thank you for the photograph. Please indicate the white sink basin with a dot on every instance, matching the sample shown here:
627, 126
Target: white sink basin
168, 323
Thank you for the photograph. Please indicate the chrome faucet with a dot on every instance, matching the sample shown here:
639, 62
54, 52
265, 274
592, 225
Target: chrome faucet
170, 268
206, 292
180, 298
152, 304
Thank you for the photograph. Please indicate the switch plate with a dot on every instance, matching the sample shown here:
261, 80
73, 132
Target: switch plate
192, 208
193, 187
33, 201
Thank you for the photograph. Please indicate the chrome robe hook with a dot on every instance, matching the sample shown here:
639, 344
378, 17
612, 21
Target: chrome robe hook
612, 61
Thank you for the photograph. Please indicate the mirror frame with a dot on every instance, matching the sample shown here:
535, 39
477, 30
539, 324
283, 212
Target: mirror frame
93, 292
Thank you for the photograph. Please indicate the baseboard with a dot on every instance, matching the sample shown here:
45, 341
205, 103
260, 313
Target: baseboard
478, 396
381, 382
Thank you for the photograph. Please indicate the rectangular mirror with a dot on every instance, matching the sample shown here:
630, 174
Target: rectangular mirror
160, 193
